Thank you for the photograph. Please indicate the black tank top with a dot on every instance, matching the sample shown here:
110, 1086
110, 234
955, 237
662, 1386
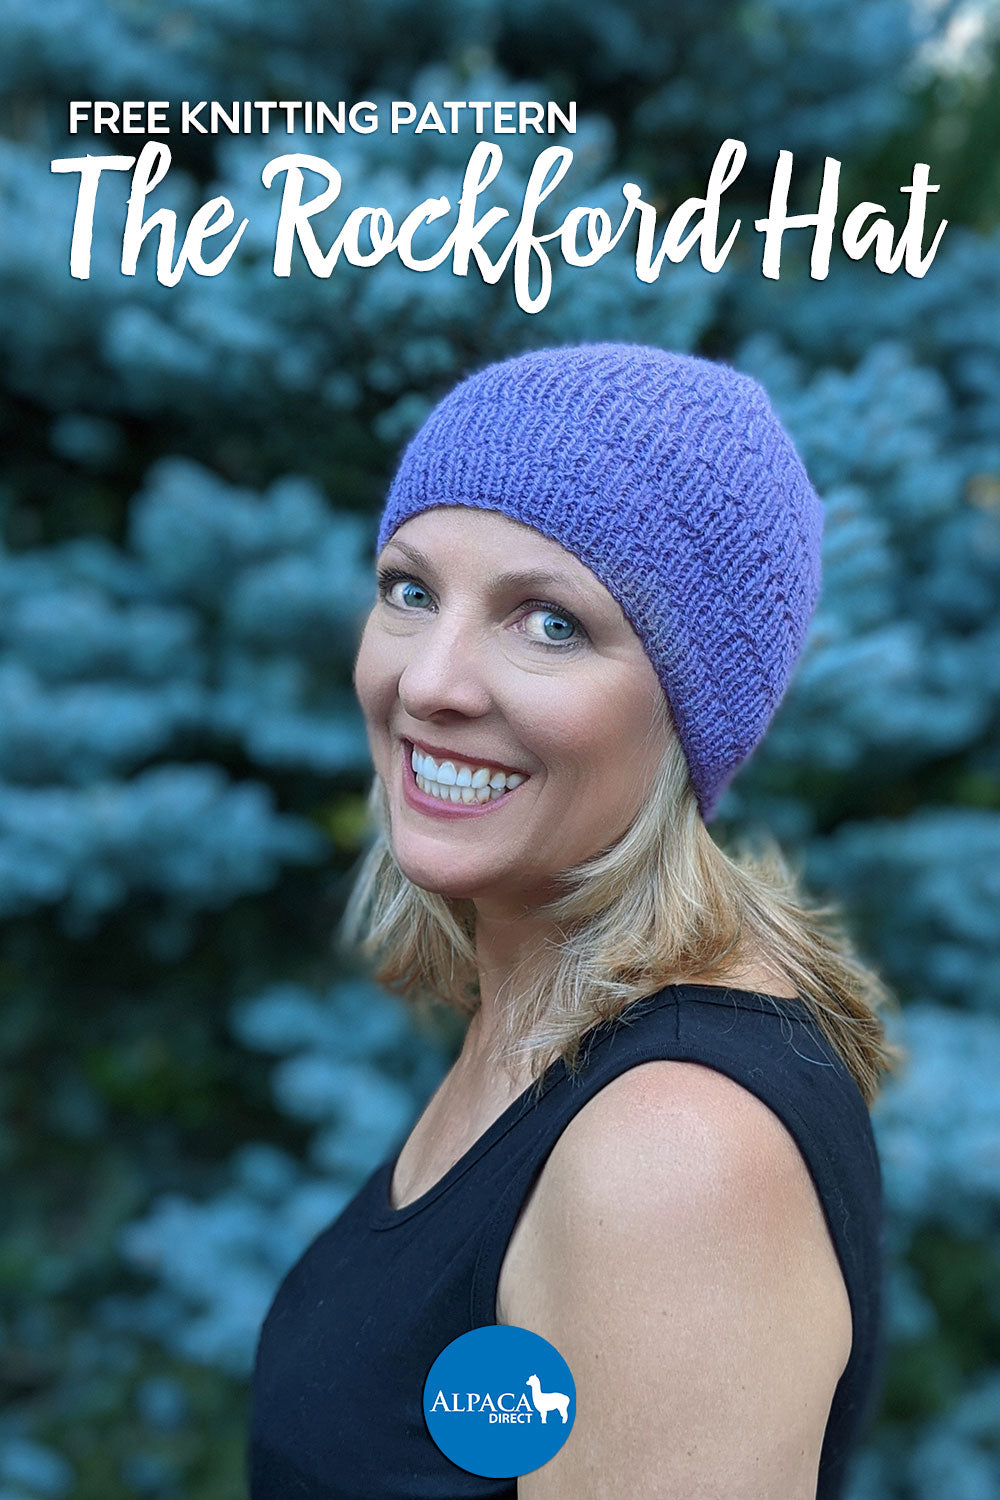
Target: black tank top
338, 1382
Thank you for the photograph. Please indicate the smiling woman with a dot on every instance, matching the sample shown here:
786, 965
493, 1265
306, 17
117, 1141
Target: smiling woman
596, 568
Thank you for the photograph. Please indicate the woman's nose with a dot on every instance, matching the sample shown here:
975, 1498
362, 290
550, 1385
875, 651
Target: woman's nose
444, 672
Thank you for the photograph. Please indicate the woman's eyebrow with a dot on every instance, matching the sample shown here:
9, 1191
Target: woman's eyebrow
534, 578
511, 578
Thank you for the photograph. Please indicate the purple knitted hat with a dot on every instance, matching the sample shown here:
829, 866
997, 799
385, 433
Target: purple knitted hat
673, 481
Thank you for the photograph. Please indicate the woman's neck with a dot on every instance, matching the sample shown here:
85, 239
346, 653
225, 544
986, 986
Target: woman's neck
512, 951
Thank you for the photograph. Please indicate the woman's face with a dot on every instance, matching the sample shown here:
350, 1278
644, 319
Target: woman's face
492, 648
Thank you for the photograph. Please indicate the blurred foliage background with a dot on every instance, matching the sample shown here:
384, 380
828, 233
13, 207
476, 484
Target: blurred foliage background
192, 1083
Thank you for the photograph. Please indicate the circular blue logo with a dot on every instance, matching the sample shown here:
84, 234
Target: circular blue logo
499, 1401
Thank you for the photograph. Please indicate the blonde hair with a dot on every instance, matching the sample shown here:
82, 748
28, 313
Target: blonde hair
663, 905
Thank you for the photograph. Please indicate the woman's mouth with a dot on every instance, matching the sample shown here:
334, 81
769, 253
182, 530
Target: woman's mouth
454, 788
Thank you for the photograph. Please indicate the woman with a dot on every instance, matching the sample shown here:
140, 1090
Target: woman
597, 566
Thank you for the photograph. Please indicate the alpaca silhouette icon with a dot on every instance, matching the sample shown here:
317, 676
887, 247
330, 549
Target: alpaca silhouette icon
546, 1401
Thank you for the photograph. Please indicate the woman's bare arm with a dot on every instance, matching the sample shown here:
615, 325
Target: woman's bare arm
679, 1260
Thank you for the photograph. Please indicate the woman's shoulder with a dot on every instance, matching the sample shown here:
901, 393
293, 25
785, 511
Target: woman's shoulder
675, 1216
668, 1144
678, 1123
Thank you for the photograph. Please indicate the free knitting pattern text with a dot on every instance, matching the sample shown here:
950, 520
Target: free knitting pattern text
310, 185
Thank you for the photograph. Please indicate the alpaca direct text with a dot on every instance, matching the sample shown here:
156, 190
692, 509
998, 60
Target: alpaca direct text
311, 185
520, 1411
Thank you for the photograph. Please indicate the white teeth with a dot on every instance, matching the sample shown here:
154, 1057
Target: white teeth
461, 783
463, 794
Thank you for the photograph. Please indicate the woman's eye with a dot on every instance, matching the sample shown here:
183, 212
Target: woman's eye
556, 627
409, 591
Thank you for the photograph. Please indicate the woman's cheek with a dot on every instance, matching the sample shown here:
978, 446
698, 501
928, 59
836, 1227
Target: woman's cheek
370, 675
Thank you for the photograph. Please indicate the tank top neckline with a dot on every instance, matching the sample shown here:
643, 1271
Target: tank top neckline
383, 1216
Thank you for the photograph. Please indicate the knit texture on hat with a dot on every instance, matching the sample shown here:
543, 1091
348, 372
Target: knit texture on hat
671, 478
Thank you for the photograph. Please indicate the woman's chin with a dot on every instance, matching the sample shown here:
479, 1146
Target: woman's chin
437, 882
